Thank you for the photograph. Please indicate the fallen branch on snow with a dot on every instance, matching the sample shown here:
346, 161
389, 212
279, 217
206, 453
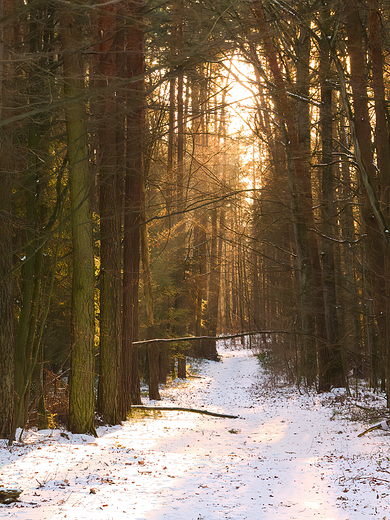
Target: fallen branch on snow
9, 495
384, 425
365, 408
181, 409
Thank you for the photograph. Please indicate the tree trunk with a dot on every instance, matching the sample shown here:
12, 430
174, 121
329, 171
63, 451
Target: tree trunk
109, 222
81, 384
335, 374
200, 278
373, 219
383, 154
209, 347
153, 349
7, 354
6, 302
181, 299
351, 298
129, 389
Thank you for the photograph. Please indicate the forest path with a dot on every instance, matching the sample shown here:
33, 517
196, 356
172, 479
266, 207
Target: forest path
273, 463
287, 457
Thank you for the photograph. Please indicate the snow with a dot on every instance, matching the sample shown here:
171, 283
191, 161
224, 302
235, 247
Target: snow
288, 456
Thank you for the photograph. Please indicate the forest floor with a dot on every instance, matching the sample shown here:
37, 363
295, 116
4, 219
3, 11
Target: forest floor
290, 455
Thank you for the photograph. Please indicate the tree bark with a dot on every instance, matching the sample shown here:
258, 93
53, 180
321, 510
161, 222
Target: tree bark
6, 302
6, 246
153, 349
181, 299
373, 217
129, 389
82, 378
209, 348
109, 222
383, 154
334, 374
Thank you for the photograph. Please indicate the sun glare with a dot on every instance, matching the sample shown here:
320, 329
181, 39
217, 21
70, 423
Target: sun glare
241, 102
240, 97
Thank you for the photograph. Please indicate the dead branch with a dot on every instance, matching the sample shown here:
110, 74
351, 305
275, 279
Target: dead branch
182, 409
217, 338
384, 425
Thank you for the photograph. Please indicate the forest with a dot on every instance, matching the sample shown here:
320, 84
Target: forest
189, 169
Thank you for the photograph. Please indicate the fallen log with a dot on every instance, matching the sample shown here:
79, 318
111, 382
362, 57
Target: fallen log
9, 495
383, 425
182, 409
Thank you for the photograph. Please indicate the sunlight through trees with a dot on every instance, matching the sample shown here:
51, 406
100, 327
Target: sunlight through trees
189, 169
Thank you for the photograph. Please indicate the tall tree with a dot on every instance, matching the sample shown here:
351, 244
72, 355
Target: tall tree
82, 378
373, 217
328, 209
109, 208
129, 374
26, 345
383, 161
6, 234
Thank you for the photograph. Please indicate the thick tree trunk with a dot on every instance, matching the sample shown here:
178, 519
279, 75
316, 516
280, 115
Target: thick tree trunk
371, 212
302, 204
81, 384
383, 154
334, 373
27, 318
7, 353
350, 298
129, 389
381, 112
109, 222
6, 302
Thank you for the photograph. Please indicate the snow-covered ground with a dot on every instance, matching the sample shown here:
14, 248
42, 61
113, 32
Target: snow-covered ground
288, 456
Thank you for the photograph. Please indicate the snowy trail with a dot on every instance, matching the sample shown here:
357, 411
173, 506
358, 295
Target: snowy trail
283, 459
